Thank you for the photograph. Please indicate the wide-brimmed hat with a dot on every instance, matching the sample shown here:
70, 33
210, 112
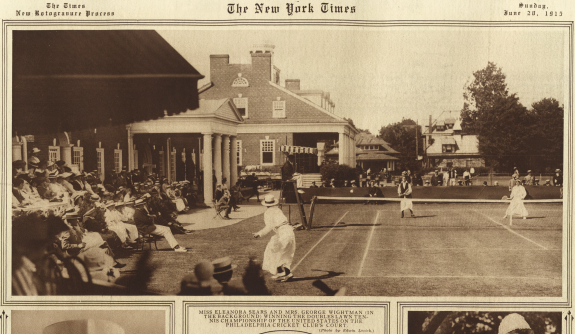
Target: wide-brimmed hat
512, 322
140, 202
529, 171
222, 265
352, 181
34, 162
35, 150
270, 200
558, 171
53, 174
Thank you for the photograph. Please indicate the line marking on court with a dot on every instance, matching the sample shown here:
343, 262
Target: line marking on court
464, 249
317, 243
367, 247
510, 230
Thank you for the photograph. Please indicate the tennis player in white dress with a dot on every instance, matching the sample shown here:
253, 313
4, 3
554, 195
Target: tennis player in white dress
516, 206
280, 250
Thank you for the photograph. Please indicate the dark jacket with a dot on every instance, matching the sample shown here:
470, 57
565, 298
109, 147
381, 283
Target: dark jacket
144, 223
287, 171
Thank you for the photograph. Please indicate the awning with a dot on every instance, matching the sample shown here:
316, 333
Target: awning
298, 149
78, 79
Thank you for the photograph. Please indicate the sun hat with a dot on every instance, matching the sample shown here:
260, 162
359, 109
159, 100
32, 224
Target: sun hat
35, 150
512, 322
270, 200
222, 265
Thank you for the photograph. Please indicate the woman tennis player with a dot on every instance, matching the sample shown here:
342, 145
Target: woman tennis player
280, 250
404, 191
516, 206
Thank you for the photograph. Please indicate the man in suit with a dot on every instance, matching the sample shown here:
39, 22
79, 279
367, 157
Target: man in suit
288, 169
145, 224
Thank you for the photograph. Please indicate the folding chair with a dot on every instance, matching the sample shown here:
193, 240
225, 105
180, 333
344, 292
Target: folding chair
219, 209
147, 238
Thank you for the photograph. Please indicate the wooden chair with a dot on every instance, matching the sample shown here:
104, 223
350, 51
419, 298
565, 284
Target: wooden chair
219, 209
147, 238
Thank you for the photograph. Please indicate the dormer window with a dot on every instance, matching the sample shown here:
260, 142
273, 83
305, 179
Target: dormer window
240, 81
448, 148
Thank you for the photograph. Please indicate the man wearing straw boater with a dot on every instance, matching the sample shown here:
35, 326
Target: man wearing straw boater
404, 191
280, 250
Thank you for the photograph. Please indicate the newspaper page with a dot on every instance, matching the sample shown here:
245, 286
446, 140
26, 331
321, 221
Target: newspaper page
287, 167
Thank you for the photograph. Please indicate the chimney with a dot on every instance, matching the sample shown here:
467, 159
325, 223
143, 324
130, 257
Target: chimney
218, 64
292, 84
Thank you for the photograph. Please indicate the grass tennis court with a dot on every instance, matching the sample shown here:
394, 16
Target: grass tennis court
447, 250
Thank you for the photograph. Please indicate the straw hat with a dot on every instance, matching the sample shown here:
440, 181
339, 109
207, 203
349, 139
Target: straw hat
512, 322
223, 265
35, 150
270, 200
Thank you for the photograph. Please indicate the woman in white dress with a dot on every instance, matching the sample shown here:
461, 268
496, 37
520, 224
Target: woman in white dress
404, 191
280, 250
516, 206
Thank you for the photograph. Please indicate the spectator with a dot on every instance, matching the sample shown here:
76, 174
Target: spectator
223, 273
558, 178
446, 178
313, 185
435, 179
467, 178
145, 224
528, 179
201, 282
252, 180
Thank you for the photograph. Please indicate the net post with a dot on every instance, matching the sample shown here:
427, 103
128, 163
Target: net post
311, 208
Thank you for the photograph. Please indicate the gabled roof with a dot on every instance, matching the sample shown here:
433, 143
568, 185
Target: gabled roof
364, 138
465, 144
374, 156
222, 108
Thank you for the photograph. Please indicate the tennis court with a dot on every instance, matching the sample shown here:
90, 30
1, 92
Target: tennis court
449, 249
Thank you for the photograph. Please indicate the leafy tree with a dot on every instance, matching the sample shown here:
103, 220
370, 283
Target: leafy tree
548, 131
480, 95
401, 136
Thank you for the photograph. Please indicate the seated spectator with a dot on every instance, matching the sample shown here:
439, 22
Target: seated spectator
528, 179
97, 255
219, 193
145, 224
313, 185
201, 282
223, 272
114, 223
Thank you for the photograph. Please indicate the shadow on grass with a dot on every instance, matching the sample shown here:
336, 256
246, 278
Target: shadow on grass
328, 274
343, 225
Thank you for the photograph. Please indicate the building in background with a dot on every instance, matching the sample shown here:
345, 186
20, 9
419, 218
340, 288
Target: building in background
447, 145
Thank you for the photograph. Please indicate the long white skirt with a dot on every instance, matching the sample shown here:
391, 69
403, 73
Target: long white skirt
516, 207
280, 250
406, 204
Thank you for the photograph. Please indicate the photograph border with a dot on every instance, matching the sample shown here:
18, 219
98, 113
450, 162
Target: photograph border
564, 301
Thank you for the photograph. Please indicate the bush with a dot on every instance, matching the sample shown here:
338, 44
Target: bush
338, 172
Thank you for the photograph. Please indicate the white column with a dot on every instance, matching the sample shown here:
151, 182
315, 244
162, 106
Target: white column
234, 160
16, 151
130, 148
207, 160
226, 159
353, 153
218, 156
67, 154
340, 149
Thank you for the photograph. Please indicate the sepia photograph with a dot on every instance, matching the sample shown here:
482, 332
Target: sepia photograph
467, 322
402, 161
88, 322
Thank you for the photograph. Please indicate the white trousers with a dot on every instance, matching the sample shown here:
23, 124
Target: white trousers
164, 231
132, 232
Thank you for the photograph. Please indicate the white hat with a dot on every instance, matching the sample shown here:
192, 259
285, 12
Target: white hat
35, 150
512, 322
270, 200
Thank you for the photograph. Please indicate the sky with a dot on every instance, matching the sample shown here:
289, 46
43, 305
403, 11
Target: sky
132, 321
378, 76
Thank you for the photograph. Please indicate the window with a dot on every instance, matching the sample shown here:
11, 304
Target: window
173, 165
118, 161
279, 109
267, 152
54, 153
161, 163
239, 152
240, 82
78, 157
242, 105
449, 148
100, 161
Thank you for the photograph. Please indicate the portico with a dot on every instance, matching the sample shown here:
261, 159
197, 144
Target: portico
213, 132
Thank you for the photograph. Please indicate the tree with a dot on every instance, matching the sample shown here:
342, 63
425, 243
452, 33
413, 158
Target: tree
350, 121
548, 118
401, 136
505, 134
480, 95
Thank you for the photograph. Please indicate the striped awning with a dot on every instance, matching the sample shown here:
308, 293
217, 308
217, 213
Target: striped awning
298, 149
